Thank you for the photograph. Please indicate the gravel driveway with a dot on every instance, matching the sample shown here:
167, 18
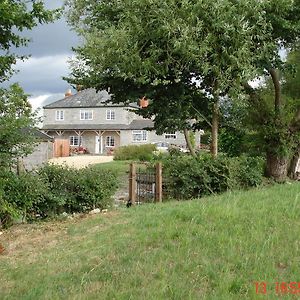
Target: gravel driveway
81, 161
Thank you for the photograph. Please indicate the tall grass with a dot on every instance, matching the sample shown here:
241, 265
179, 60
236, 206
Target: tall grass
209, 248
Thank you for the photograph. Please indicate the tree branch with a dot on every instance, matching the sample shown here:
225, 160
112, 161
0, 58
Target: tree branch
277, 88
202, 116
188, 142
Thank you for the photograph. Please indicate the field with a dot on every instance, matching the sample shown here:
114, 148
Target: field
210, 248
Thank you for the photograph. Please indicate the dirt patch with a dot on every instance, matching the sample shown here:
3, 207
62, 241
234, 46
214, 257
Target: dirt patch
29, 239
81, 161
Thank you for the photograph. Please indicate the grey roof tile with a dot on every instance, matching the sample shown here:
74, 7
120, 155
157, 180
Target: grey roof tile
85, 98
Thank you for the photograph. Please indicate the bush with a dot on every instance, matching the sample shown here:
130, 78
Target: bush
76, 190
135, 152
19, 195
195, 177
53, 190
250, 171
94, 189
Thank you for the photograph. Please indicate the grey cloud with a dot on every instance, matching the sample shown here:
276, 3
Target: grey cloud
49, 49
52, 38
43, 75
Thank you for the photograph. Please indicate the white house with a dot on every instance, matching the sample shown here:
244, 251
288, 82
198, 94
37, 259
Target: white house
87, 120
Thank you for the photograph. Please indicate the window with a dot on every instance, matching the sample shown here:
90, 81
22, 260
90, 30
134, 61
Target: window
139, 135
171, 135
110, 141
86, 115
110, 114
59, 115
75, 140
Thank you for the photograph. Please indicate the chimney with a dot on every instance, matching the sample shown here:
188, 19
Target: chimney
68, 93
144, 102
79, 87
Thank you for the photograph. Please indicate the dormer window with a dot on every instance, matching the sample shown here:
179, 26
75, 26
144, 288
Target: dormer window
110, 115
86, 115
59, 115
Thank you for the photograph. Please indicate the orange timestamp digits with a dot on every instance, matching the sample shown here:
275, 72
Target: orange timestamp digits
280, 288
292, 288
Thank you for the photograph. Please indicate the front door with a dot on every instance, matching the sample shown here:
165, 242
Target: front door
97, 144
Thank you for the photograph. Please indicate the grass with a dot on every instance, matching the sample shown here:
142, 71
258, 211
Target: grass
121, 168
211, 248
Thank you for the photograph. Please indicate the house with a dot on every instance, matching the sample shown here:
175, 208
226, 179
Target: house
85, 119
43, 151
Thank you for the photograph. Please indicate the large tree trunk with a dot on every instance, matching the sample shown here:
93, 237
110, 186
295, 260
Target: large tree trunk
277, 167
188, 142
214, 130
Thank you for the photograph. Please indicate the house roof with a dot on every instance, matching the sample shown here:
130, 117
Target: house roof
85, 98
42, 135
134, 125
38, 134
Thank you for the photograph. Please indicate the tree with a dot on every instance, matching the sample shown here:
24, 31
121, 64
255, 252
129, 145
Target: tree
15, 110
15, 17
283, 19
16, 115
182, 55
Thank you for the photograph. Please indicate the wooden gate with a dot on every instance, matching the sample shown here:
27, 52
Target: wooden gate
145, 184
61, 148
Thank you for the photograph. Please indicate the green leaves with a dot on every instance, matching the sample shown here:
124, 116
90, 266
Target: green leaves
15, 17
15, 116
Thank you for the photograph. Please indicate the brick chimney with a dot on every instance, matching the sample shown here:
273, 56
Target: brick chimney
144, 102
68, 93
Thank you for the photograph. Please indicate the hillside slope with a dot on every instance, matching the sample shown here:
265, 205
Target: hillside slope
210, 248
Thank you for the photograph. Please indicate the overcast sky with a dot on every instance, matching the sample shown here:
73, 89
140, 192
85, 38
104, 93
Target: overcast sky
50, 48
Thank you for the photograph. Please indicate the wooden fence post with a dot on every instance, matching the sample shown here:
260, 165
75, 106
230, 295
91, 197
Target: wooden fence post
132, 183
158, 182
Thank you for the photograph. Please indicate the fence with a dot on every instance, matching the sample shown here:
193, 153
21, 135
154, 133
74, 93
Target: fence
145, 184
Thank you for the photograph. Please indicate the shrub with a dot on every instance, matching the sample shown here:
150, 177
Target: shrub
135, 152
19, 195
62, 182
53, 190
94, 189
195, 177
250, 171
76, 190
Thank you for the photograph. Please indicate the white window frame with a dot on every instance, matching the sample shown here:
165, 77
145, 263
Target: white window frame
110, 141
139, 136
72, 139
171, 135
86, 115
59, 115
110, 114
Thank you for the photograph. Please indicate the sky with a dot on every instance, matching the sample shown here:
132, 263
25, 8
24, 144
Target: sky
50, 49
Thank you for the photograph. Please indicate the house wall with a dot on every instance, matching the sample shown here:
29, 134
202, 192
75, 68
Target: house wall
152, 137
72, 116
89, 139
42, 152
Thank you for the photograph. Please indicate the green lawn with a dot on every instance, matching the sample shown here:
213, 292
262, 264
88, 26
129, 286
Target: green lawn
211, 248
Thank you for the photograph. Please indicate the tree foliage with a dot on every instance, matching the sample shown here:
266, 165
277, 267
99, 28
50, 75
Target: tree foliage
15, 110
15, 17
15, 117
183, 55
